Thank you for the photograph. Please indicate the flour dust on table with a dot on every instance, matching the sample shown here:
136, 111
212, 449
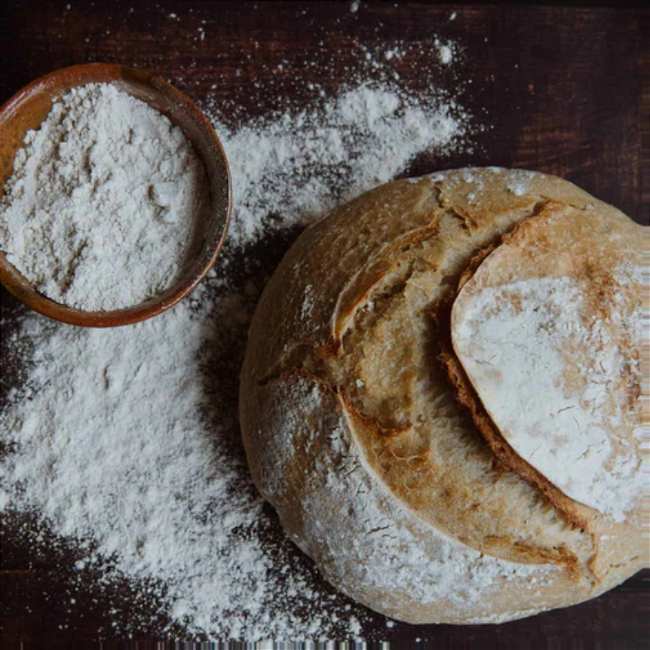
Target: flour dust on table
129, 437
105, 200
303, 163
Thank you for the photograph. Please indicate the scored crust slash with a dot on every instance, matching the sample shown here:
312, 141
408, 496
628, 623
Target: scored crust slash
467, 450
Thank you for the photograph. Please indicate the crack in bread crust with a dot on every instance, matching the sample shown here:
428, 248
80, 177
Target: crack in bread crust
593, 266
368, 276
579, 514
382, 283
576, 514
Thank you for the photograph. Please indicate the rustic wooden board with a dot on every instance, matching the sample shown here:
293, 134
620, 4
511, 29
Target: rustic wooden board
559, 85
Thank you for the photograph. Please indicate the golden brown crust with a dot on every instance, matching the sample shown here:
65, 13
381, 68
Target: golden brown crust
350, 306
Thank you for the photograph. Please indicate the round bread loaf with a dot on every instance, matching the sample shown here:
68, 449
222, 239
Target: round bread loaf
368, 433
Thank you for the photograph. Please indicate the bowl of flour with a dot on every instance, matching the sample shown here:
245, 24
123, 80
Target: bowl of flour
115, 195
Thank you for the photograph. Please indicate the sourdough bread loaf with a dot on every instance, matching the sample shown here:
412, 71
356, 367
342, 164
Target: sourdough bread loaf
382, 460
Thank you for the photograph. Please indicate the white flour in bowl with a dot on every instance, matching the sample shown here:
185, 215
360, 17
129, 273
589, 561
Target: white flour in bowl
102, 207
129, 438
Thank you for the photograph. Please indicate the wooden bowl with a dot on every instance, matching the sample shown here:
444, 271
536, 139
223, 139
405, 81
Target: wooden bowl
30, 106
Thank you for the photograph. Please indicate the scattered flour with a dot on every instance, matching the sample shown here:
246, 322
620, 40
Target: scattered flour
518, 189
126, 441
308, 302
100, 211
291, 169
445, 51
521, 181
120, 442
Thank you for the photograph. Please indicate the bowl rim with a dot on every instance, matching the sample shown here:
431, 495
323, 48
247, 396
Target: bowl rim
23, 289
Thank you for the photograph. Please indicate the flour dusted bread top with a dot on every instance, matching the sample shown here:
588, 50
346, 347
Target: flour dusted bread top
549, 331
354, 432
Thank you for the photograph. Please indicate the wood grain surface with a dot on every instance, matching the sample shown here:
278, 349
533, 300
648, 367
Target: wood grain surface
560, 88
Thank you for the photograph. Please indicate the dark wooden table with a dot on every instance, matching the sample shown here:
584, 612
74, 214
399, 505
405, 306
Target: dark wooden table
560, 86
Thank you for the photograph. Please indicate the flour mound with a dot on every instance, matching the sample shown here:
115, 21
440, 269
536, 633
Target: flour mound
101, 210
